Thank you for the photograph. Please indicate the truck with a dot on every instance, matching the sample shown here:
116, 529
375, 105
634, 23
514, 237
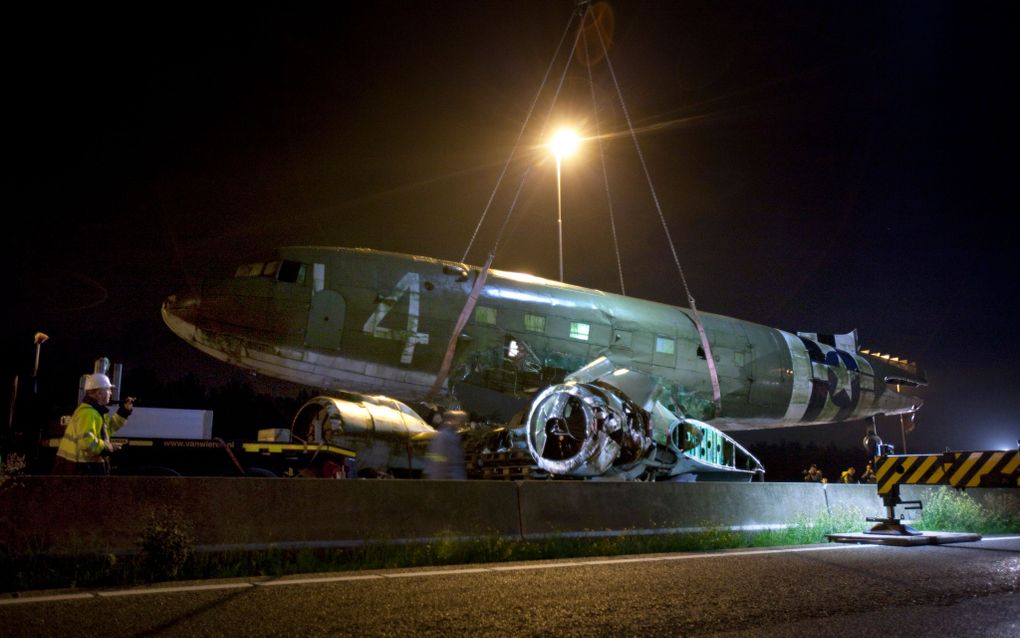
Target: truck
179, 442
172, 442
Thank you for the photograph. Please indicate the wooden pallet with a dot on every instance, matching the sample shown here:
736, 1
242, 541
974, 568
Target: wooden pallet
507, 473
509, 465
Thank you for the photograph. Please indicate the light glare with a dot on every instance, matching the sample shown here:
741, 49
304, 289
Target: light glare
564, 143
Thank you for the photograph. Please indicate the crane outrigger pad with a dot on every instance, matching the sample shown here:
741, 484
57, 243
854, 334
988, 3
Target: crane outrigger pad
904, 540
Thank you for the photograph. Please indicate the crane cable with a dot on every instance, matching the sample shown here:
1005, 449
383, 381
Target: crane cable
696, 318
520, 135
472, 300
602, 155
480, 280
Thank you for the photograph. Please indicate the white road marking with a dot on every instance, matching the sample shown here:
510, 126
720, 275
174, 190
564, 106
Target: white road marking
164, 590
321, 579
43, 599
439, 572
514, 568
155, 590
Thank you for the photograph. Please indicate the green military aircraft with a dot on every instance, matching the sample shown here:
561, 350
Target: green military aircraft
607, 385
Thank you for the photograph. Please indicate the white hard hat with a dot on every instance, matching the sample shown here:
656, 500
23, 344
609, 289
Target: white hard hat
97, 381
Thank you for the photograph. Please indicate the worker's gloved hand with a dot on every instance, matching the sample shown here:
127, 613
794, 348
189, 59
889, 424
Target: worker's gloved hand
126, 406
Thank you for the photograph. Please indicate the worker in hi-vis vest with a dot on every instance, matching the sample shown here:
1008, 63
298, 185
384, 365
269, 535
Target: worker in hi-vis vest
86, 446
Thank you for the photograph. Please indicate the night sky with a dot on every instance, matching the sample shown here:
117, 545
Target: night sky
822, 166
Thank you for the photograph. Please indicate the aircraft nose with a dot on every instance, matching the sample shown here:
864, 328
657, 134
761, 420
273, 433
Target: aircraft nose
180, 312
181, 304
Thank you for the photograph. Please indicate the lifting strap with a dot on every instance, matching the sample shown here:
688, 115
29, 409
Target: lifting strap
465, 314
712, 372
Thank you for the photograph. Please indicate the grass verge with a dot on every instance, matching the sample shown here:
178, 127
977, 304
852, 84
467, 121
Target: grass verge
949, 510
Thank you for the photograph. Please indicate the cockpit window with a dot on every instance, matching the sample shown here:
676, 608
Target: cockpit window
249, 270
292, 272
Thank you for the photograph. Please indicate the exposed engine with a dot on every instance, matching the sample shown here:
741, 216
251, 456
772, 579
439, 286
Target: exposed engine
606, 421
586, 429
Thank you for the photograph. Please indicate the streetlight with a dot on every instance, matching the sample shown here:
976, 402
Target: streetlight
40, 338
563, 144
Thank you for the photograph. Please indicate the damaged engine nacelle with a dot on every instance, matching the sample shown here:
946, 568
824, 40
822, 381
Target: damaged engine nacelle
588, 429
387, 435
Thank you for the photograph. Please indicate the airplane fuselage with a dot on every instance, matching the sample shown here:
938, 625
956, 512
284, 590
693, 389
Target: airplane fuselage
377, 322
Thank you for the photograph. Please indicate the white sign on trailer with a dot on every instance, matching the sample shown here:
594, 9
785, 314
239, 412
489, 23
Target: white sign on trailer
167, 423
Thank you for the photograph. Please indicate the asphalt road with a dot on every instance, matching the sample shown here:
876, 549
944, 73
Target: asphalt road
966, 589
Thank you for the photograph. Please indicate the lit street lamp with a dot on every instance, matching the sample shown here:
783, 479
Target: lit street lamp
563, 144
40, 338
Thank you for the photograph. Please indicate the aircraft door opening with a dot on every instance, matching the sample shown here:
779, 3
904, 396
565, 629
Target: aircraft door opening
326, 320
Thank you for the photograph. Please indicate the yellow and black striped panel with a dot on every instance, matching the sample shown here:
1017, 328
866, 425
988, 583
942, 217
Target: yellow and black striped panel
958, 469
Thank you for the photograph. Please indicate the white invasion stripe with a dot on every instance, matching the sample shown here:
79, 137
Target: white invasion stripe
801, 366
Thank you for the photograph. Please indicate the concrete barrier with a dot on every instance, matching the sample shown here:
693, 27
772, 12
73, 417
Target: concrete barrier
74, 514
69, 515
593, 507
861, 498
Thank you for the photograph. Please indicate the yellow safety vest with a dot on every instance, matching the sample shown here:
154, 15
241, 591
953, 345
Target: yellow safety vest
84, 440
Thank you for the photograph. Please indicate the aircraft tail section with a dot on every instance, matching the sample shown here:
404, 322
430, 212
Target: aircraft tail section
895, 371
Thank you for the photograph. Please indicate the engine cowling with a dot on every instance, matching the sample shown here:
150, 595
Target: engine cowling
588, 429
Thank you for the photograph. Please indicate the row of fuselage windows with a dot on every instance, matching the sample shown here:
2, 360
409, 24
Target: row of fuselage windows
579, 330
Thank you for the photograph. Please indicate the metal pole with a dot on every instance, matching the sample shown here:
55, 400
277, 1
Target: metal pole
559, 211
14, 399
40, 338
117, 371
